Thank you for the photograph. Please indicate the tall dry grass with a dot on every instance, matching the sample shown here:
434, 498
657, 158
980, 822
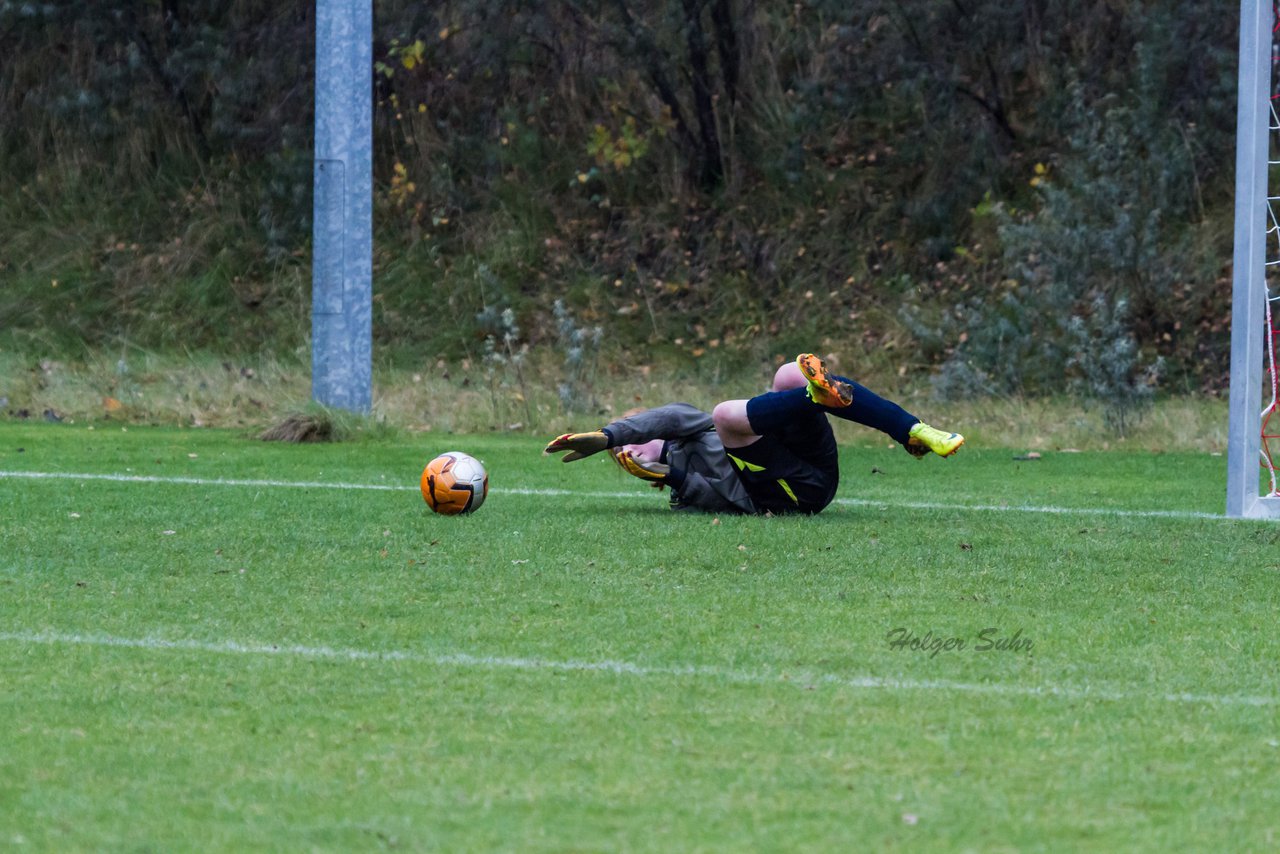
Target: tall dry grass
131, 386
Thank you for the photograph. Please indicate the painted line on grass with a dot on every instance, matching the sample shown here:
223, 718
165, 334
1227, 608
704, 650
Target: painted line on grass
203, 481
547, 492
1033, 508
799, 678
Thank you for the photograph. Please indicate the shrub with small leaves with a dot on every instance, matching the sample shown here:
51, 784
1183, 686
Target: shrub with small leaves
1095, 244
504, 360
581, 350
1106, 367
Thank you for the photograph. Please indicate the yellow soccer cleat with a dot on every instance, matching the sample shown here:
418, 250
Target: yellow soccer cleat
823, 390
924, 439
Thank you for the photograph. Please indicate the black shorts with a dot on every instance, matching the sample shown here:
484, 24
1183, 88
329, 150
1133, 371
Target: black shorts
785, 477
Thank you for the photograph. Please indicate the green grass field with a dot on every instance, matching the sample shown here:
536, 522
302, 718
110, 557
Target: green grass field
222, 644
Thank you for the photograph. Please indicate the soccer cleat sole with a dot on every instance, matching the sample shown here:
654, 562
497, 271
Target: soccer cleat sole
822, 390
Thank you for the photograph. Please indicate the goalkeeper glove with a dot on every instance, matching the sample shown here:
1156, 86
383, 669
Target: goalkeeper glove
578, 445
654, 473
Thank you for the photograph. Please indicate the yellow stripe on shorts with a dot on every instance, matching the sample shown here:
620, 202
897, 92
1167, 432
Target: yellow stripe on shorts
744, 465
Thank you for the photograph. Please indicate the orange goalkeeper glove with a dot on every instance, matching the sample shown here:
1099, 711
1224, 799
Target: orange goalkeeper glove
578, 445
654, 473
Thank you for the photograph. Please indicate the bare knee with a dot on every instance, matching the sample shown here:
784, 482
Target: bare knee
730, 419
726, 414
788, 376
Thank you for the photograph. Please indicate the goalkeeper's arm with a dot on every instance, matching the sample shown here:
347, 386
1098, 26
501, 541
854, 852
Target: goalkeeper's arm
673, 421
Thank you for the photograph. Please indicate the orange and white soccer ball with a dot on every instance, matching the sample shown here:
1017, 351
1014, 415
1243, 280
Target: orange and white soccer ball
454, 483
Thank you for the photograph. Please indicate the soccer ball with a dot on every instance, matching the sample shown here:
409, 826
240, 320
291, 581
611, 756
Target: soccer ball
454, 483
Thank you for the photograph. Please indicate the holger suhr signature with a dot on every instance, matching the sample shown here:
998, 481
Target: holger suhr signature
990, 639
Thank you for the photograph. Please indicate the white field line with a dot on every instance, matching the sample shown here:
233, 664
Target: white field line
384, 487
467, 661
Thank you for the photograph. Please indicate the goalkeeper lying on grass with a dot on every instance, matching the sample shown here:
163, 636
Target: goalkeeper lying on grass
774, 453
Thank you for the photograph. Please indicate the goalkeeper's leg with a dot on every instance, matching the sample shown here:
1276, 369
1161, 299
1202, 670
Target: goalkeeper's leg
806, 382
788, 461
791, 405
804, 388
730, 416
844, 398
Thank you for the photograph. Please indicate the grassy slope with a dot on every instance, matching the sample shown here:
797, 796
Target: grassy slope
199, 389
773, 743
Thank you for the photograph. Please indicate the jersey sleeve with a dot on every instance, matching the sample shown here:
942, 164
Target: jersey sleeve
673, 421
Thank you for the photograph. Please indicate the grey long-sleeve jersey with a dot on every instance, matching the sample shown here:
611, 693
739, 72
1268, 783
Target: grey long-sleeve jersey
702, 477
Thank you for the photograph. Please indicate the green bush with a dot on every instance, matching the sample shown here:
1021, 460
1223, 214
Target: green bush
1107, 230
695, 177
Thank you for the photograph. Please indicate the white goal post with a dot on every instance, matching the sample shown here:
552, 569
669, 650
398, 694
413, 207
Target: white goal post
342, 243
1251, 472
